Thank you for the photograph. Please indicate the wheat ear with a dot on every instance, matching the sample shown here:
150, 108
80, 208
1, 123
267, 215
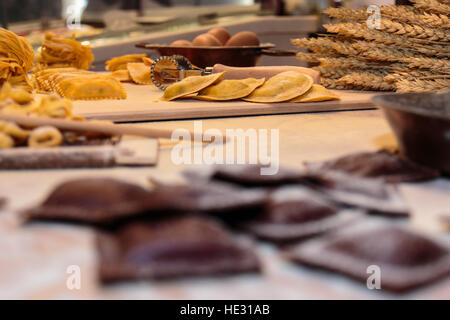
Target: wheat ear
405, 14
366, 81
435, 85
428, 63
432, 6
332, 84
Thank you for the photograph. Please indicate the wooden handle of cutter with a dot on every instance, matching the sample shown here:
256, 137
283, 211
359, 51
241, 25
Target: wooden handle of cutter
90, 126
262, 72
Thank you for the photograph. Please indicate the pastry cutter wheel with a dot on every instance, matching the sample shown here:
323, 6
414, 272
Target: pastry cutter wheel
169, 69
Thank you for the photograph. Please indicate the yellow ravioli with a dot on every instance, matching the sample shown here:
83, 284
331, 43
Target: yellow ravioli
317, 93
191, 85
122, 75
282, 87
147, 61
42, 76
120, 63
230, 89
139, 72
91, 88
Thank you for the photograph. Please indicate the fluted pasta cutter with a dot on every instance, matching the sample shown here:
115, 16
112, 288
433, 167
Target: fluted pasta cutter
169, 69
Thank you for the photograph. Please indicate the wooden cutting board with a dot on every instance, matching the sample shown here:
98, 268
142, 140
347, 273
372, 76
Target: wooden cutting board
142, 104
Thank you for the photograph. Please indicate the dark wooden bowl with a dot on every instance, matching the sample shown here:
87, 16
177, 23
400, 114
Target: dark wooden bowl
421, 124
242, 56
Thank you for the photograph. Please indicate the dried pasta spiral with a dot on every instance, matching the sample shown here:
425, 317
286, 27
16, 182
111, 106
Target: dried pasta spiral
44, 137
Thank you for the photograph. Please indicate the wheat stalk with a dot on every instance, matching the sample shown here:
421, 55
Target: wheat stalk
332, 84
366, 81
405, 14
311, 57
428, 63
360, 30
432, 6
316, 45
409, 15
366, 49
412, 75
381, 52
404, 29
356, 63
414, 31
332, 73
422, 85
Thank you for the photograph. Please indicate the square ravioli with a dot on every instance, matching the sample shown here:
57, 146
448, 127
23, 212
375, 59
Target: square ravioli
172, 248
406, 259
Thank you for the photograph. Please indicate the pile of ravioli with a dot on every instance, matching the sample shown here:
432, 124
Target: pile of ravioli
62, 68
289, 86
131, 68
337, 215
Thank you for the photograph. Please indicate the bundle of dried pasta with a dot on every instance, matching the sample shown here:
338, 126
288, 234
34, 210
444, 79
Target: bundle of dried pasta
407, 50
16, 59
60, 52
131, 68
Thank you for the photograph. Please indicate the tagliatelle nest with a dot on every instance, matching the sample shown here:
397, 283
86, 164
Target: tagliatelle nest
16, 59
59, 52
409, 51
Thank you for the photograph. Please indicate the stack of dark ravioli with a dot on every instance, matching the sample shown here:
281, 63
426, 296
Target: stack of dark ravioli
322, 217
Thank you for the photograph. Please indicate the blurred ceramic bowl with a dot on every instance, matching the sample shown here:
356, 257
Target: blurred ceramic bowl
421, 124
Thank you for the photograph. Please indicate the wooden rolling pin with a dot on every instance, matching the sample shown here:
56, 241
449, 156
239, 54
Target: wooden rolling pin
94, 126
262, 72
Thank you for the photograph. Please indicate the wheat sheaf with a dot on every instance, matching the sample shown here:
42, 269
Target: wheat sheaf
408, 51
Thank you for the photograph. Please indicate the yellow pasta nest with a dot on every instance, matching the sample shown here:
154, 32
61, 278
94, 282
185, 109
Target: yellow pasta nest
16, 59
59, 52
16, 48
120, 63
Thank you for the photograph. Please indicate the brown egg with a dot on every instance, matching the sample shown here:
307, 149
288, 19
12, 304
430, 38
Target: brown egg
181, 43
221, 34
206, 40
244, 38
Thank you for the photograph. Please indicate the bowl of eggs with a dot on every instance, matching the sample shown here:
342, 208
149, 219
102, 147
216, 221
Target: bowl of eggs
242, 49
